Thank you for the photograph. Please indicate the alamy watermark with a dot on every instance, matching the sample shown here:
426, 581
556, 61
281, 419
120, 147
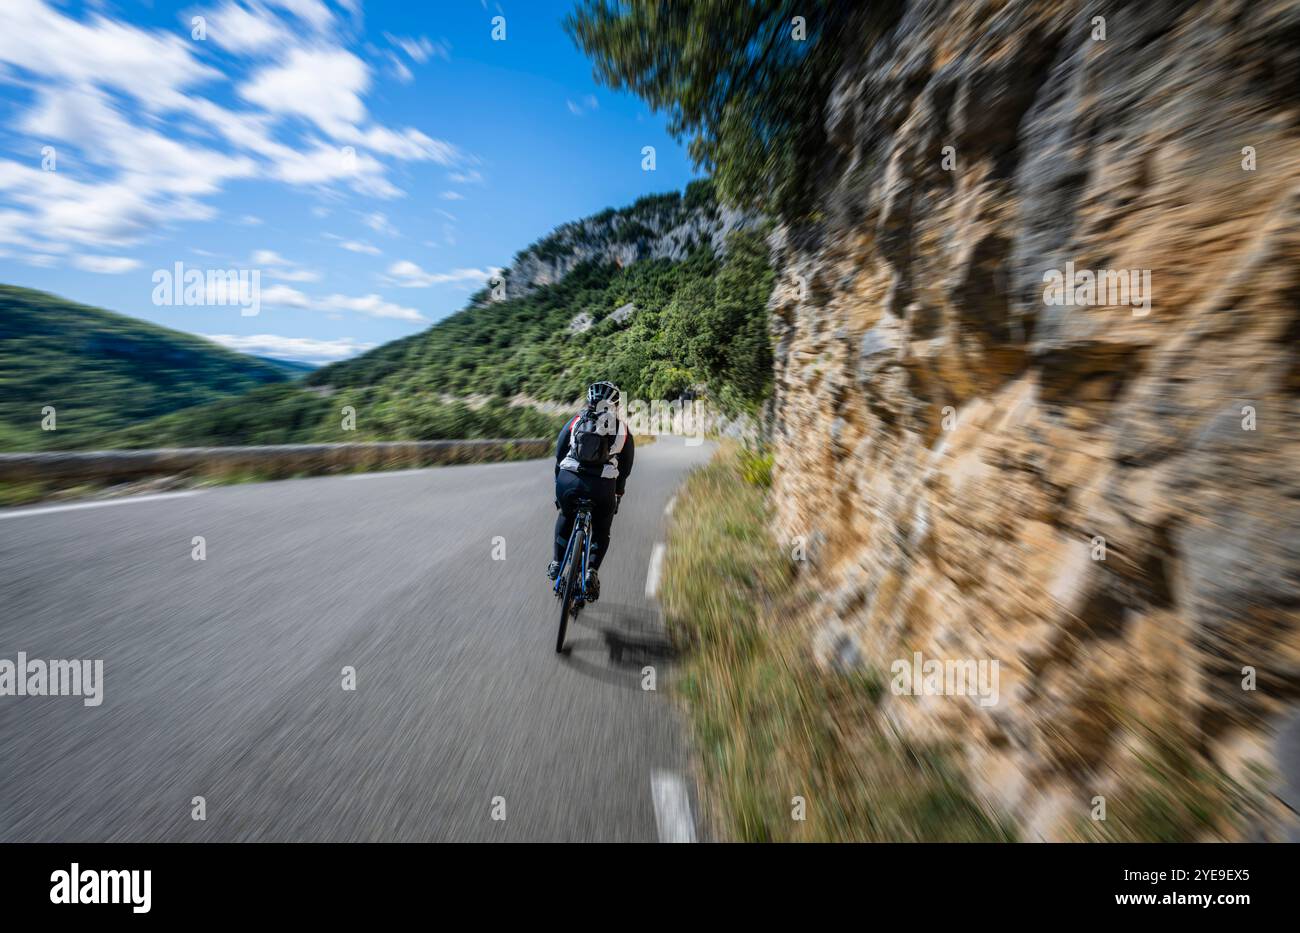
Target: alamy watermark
1086, 287
688, 418
79, 885
950, 677
238, 288
54, 678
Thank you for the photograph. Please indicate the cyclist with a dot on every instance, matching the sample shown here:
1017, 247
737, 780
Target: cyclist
593, 459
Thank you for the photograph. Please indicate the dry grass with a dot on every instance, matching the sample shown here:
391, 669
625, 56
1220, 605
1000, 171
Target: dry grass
769, 725
1175, 795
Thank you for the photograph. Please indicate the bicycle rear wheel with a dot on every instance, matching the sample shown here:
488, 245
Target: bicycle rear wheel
572, 583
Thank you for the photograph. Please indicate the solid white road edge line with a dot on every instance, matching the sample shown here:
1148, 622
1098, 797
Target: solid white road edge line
382, 473
672, 807
125, 500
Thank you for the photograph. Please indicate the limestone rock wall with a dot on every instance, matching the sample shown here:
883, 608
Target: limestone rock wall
954, 451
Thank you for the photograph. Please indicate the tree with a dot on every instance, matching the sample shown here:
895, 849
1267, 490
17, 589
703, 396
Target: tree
736, 79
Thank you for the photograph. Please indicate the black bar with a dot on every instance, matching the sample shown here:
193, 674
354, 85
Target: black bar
333, 881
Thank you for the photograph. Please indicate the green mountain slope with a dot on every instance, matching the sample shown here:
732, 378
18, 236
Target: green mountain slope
665, 296
101, 371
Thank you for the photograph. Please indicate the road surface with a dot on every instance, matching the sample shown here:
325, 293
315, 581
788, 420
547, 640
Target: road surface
223, 678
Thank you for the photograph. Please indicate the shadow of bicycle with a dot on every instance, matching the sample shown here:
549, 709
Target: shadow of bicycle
617, 643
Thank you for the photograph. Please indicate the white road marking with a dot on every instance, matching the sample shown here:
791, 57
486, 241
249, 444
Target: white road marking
382, 473
100, 503
656, 568
672, 807
671, 504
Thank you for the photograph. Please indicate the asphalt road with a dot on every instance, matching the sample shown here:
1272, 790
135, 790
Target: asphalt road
223, 677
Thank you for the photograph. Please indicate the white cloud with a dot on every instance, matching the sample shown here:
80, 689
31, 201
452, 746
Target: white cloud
277, 267
409, 275
90, 121
154, 67
409, 144
588, 103
156, 180
268, 257
325, 164
370, 306
452, 196
354, 246
106, 265
246, 31
399, 69
422, 49
295, 275
471, 177
126, 105
379, 223
323, 85
305, 349
314, 12
282, 296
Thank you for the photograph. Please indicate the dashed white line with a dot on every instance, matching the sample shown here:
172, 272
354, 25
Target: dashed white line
672, 503
672, 807
652, 573
99, 503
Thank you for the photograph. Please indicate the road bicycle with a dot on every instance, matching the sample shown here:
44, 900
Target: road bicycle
571, 581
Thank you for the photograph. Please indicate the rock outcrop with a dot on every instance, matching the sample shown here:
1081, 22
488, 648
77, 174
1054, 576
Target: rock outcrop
1102, 497
657, 227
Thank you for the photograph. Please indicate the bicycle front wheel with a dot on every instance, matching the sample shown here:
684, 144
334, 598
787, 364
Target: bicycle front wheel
572, 583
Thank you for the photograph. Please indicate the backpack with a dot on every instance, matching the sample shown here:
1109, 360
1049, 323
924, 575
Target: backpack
590, 439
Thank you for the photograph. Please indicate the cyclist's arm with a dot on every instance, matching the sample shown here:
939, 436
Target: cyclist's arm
562, 445
625, 458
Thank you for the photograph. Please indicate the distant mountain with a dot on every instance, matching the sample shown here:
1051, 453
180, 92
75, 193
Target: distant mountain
292, 367
102, 371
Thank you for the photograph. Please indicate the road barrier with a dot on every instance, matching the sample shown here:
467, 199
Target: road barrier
272, 460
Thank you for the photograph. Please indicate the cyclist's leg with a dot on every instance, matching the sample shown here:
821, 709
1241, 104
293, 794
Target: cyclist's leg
567, 489
602, 518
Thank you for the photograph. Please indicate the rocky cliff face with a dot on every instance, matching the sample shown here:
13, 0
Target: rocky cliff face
657, 227
1102, 497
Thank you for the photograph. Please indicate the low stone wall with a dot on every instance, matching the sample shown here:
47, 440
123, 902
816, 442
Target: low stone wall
281, 458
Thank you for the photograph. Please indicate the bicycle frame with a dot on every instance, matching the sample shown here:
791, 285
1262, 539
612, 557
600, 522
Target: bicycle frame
581, 520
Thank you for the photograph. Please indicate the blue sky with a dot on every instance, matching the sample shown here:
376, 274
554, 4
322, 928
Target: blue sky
373, 160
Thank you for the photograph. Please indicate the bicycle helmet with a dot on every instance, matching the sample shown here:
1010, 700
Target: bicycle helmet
599, 392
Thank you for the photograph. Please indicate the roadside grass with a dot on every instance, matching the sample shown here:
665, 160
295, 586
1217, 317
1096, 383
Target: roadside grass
14, 494
1174, 796
770, 726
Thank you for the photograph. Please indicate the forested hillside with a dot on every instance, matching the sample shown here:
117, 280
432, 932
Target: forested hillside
102, 371
664, 296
